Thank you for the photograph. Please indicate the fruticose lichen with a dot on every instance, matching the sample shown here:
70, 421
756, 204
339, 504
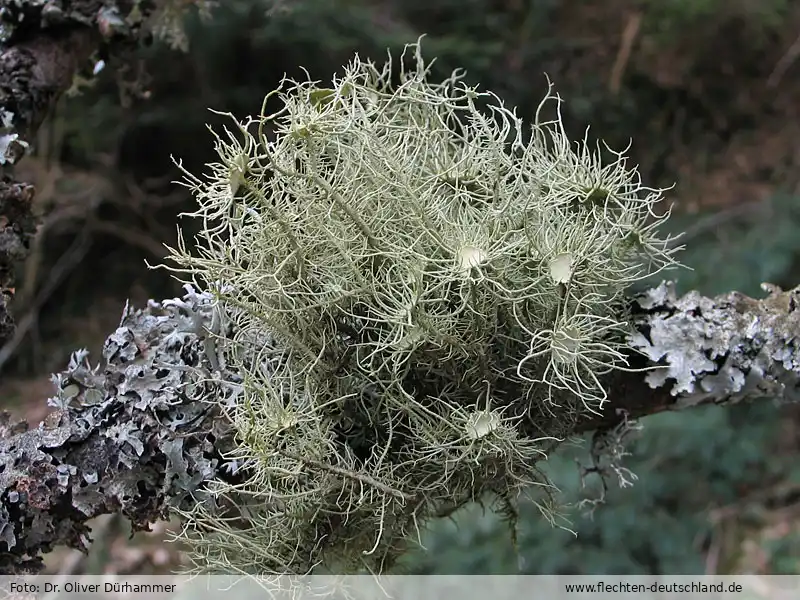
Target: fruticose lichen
423, 295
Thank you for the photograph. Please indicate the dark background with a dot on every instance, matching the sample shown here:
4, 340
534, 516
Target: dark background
706, 91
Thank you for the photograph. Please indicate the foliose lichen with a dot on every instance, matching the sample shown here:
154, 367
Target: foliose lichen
725, 349
134, 434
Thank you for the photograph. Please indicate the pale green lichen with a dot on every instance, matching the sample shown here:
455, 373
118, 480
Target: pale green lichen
422, 299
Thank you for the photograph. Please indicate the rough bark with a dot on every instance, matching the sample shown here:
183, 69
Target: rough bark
700, 350
43, 45
132, 434
17, 227
142, 431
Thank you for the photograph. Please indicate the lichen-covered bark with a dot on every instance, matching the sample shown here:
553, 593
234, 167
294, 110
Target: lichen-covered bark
698, 350
726, 349
43, 44
17, 227
135, 434
140, 432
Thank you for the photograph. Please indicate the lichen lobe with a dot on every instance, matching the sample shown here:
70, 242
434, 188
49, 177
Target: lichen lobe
725, 349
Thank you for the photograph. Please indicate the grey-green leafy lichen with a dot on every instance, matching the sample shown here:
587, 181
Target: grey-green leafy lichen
134, 434
724, 349
424, 297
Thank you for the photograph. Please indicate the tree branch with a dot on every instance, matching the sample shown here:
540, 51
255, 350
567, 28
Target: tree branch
17, 228
142, 431
700, 350
43, 45
135, 434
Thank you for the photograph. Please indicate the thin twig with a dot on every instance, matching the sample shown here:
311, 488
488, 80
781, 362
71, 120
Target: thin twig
132, 237
623, 56
717, 219
360, 477
784, 63
65, 265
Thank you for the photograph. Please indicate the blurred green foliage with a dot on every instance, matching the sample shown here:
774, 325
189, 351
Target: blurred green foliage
740, 248
686, 463
667, 17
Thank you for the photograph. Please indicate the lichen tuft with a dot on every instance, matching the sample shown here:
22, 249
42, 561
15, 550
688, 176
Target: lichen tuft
422, 303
